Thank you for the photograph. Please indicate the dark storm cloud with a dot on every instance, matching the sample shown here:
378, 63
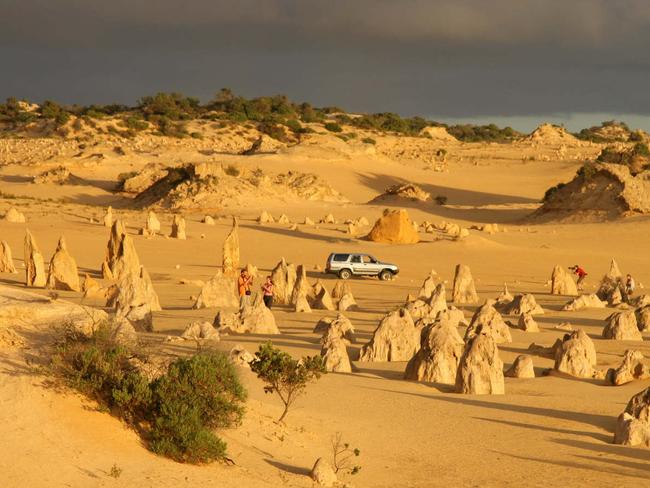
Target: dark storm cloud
450, 58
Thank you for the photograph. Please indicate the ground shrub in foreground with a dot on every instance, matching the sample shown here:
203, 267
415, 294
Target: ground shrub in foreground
176, 413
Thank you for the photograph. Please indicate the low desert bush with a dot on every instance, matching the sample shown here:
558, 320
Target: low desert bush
284, 375
440, 199
368, 140
343, 456
333, 127
176, 413
552, 191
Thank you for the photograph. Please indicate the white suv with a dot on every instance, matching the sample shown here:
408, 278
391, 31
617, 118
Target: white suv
348, 264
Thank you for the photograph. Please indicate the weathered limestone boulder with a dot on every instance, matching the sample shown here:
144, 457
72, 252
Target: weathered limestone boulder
633, 367
121, 256
328, 219
220, 291
396, 339
152, 226
34, 264
323, 474
338, 326
437, 360
265, 218
523, 304
341, 287
63, 273
283, 219
504, 297
480, 370
584, 301
418, 309
622, 326
230, 254
108, 217
488, 321
14, 216
527, 323
610, 283
562, 282
90, 284
6, 259
464, 290
301, 287
123, 332
633, 425
428, 285
346, 302
576, 356
643, 318
253, 319
240, 356
308, 222
284, 278
178, 228
453, 315
208, 220
394, 227
521, 368
335, 355
302, 305
200, 331
258, 319
136, 300
323, 301
438, 300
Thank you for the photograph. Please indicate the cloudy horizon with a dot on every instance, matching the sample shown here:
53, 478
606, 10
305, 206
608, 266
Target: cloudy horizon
512, 62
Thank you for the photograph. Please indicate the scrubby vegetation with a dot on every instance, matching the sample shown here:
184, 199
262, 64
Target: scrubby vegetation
636, 158
343, 456
285, 376
175, 413
608, 131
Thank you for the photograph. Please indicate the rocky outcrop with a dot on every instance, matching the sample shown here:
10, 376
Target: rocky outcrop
582, 302
523, 304
633, 367
178, 228
396, 339
394, 227
240, 356
609, 289
63, 273
34, 264
488, 321
136, 300
302, 305
643, 318
13, 216
521, 368
220, 291
633, 425
323, 474
622, 326
323, 300
152, 227
464, 290
437, 360
253, 319
265, 218
504, 297
346, 302
108, 217
428, 285
335, 355
339, 326
230, 254
562, 282
301, 287
284, 279
527, 323
6, 259
480, 370
341, 288
576, 355
599, 191
397, 193
200, 332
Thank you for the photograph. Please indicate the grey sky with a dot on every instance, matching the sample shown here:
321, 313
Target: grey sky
448, 59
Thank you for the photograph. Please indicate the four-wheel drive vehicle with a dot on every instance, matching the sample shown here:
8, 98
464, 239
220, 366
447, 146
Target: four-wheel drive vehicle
348, 264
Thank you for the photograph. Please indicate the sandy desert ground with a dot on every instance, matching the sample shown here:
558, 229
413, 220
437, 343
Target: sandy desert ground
546, 431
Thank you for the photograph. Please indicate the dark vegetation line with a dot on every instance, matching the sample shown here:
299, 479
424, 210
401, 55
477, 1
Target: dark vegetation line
165, 114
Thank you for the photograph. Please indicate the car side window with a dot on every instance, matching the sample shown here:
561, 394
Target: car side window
356, 259
340, 257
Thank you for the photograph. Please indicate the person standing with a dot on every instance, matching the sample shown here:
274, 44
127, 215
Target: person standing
244, 286
581, 274
267, 291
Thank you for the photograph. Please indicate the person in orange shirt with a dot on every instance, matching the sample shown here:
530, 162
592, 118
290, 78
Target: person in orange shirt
244, 284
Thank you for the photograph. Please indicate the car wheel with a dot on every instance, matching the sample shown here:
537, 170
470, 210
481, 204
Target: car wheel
345, 274
386, 275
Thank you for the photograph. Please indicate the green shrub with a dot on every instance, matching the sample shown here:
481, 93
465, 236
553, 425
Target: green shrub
441, 200
273, 130
136, 124
176, 413
196, 395
294, 125
285, 376
333, 127
232, 170
368, 140
552, 191
196, 135
52, 110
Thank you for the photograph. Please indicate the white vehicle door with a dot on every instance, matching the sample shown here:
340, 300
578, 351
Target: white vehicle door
358, 267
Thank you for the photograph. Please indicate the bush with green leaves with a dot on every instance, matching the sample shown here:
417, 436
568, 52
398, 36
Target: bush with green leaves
368, 140
285, 376
548, 195
176, 413
55, 112
333, 127
343, 455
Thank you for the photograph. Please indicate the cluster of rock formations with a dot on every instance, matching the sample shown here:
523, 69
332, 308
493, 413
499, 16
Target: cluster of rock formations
394, 227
